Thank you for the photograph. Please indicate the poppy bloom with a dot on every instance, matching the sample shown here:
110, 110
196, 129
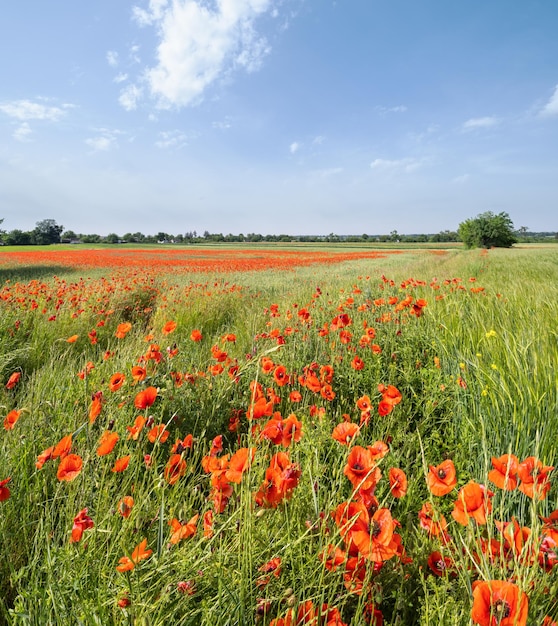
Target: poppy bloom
433, 522
534, 478
397, 482
125, 506
473, 500
360, 468
122, 330
357, 363
138, 373
107, 442
499, 603
69, 468
72, 339
121, 464
363, 403
240, 461
116, 381
295, 396
11, 419
136, 429
175, 468
82, 522
13, 380
139, 554
95, 407
438, 564
196, 335
43, 457
63, 447
280, 375
168, 328
504, 474
345, 432
183, 531
4, 491
144, 399
441, 479
159, 433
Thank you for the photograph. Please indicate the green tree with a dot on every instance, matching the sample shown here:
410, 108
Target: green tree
47, 232
487, 230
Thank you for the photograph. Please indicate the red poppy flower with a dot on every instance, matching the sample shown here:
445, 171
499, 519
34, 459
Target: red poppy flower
360, 468
159, 433
11, 419
116, 381
175, 468
95, 407
183, 531
138, 373
13, 380
136, 429
196, 335
4, 491
499, 603
504, 474
81, 522
121, 464
397, 482
144, 399
69, 468
122, 330
441, 479
345, 432
107, 442
168, 328
535, 482
139, 554
473, 500
125, 506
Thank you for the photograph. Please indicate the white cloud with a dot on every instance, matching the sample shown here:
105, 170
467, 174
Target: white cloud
23, 132
129, 97
461, 180
172, 139
551, 107
105, 140
407, 164
332, 171
199, 43
400, 108
480, 122
223, 124
318, 141
27, 110
112, 58
120, 78
294, 147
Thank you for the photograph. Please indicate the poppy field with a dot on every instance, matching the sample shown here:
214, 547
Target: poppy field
279, 437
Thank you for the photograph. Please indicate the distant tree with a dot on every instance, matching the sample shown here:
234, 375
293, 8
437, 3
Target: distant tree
18, 238
487, 230
92, 238
69, 235
47, 232
112, 238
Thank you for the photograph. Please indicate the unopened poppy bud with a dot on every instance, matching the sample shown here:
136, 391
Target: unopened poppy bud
110, 425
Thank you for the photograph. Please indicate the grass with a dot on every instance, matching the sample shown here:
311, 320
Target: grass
477, 371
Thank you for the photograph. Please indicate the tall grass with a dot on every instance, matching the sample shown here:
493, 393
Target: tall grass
477, 369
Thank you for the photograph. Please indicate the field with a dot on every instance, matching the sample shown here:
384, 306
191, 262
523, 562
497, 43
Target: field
279, 435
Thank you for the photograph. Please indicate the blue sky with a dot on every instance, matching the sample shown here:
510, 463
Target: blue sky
278, 116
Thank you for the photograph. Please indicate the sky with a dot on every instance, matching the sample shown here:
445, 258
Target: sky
299, 117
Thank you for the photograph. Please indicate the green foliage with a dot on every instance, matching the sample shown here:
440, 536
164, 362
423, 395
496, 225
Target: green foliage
487, 230
476, 370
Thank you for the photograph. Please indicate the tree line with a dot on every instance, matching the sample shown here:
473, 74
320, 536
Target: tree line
486, 230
